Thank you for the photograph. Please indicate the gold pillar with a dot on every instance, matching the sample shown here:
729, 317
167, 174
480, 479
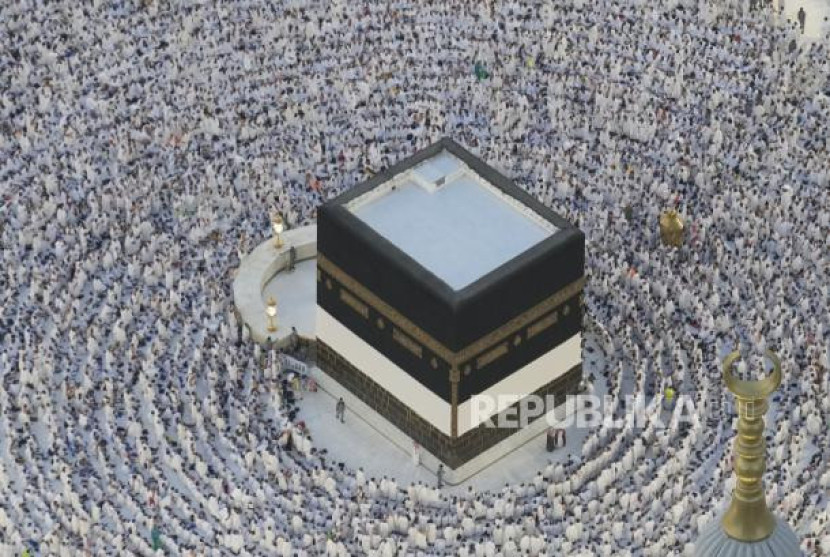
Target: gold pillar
748, 519
455, 377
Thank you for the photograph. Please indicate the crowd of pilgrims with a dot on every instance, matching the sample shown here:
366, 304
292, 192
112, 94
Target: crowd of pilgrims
144, 142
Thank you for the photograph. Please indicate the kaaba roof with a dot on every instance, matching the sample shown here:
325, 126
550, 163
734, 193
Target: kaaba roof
452, 213
452, 243
444, 214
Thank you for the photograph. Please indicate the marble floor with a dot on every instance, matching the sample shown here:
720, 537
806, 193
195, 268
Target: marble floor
815, 26
296, 295
359, 445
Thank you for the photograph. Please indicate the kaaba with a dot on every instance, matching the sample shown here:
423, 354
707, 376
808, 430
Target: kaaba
439, 281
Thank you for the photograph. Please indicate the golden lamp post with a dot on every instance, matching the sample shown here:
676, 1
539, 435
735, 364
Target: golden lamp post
271, 314
278, 226
748, 519
671, 228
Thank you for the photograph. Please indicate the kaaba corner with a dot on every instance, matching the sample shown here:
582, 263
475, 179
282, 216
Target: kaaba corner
440, 281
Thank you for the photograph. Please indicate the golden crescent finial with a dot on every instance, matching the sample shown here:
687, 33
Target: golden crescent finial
752, 390
748, 518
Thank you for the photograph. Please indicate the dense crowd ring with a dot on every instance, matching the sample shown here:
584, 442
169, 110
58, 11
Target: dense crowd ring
142, 144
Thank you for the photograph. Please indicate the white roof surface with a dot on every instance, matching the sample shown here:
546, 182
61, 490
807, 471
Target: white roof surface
459, 231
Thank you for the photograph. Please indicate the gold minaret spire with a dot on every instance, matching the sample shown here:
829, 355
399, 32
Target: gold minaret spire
748, 528
748, 519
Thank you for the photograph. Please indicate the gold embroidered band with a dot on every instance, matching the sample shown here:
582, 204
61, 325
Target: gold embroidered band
544, 323
491, 355
407, 342
420, 336
354, 303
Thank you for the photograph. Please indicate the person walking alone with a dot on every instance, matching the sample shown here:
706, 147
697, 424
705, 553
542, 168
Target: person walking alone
340, 410
292, 258
802, 18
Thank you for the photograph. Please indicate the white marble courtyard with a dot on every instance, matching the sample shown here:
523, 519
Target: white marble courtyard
817, 21
358, 444
295, 292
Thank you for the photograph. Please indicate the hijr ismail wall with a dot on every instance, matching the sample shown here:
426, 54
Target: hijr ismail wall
417, 351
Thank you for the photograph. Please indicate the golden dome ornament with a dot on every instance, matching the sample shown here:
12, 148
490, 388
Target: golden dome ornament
748, 528
672, 228
748, 518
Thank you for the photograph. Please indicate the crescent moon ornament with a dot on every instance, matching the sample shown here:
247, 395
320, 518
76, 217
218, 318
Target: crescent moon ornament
748, 519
